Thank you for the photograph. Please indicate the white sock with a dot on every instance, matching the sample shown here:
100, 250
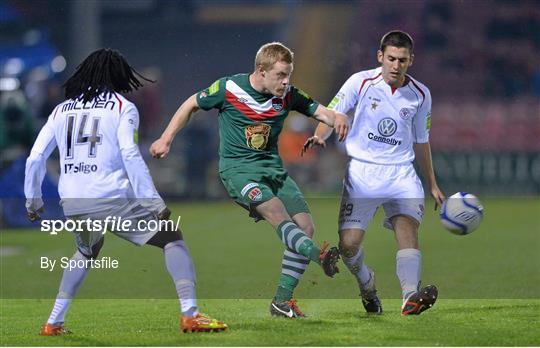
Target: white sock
72, 280
186, 294
181, 270
357, 267
408, 268
61, 305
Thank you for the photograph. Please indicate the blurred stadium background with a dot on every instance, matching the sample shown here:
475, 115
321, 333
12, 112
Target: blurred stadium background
477, 57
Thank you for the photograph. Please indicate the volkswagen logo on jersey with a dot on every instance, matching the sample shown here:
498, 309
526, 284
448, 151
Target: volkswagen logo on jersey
387, 127
277, 104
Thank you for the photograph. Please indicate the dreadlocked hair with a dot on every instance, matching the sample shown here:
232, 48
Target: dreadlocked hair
103, 71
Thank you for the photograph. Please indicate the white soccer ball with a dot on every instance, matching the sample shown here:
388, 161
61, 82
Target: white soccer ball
461, 213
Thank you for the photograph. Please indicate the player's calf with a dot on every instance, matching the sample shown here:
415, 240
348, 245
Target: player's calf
296, 240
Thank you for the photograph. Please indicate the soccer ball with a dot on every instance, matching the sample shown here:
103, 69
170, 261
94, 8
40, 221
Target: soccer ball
461, 213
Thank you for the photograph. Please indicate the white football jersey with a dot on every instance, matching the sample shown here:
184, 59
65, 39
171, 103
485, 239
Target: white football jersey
386, 121
91, 138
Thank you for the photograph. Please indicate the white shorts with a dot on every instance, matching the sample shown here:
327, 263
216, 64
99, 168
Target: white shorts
367, 186
133, 212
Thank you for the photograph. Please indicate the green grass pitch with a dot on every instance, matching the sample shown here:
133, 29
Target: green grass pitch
489, 285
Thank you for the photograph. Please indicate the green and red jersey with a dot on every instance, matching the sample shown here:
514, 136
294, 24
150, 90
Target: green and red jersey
250, 122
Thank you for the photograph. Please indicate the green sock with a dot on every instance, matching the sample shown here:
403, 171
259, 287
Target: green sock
311, 251
295, 239
293, 266
285, 289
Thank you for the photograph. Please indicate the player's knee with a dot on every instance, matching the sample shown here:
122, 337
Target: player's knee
80, 256
348, 249
349, 245
94, 251
275, 215
176, 243
96, 248
273, 211
164, 237
308, 229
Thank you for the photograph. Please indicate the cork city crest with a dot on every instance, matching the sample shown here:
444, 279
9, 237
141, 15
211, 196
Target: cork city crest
277, 104
257, 135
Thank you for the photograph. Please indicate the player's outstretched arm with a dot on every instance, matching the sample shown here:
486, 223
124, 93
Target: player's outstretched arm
422, 153
328, 119
35, 170
160, 148
334, 119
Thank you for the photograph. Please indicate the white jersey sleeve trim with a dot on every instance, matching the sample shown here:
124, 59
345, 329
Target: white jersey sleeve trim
422, 118
347, 97
350, 93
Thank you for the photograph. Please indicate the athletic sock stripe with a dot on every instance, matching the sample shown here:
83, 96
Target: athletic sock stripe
291, 253
295, 259
293, 264
300, 241
292, 268
284, 224
288, 227
299, 234
290, 237
291, 273
284, 228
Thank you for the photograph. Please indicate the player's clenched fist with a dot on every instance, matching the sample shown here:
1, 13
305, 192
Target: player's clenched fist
160, 148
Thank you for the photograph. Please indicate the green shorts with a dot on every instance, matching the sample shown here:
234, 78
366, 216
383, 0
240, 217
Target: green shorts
250, 188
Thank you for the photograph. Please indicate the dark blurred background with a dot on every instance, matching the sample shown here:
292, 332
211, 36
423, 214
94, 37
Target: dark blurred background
479, 59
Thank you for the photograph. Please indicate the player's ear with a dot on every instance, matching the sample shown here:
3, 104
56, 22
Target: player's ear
260, 70
411, 60
380, 56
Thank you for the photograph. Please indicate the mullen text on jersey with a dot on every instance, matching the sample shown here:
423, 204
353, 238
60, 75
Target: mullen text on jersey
94, 104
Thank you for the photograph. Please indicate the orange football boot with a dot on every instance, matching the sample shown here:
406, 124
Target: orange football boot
294, 307
54, 330
329, 259
202, 323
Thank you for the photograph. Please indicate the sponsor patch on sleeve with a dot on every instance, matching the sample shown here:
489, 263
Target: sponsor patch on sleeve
304, 94
214, 88
428, 121
333, 103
